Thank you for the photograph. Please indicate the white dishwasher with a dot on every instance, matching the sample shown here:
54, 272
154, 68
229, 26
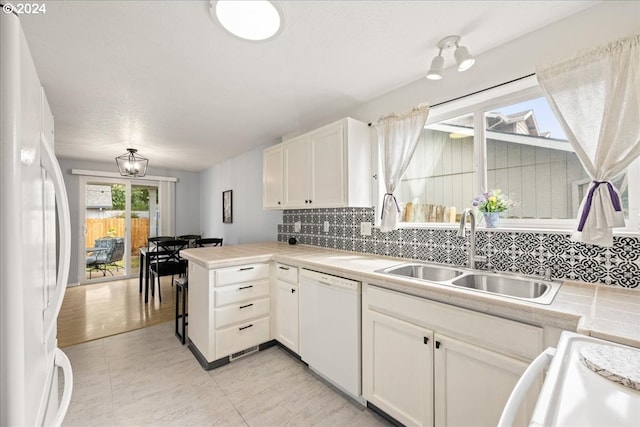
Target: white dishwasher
330, 329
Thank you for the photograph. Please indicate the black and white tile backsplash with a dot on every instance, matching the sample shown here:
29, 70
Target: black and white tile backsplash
524, 252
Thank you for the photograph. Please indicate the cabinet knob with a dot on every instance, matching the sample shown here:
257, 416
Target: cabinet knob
293, 291
426, 340
310, 201
278, 201
437, 344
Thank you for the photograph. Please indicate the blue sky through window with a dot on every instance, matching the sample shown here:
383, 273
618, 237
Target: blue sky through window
547, 121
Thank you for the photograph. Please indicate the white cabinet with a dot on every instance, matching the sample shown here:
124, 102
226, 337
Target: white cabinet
287, 330
473, 384
327, 167
229, 310
272, 178
398, 369
470, 360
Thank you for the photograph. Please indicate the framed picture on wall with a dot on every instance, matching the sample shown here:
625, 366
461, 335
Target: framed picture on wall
227, 207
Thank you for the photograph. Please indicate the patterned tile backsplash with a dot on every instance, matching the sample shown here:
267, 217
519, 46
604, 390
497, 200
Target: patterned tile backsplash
526, 252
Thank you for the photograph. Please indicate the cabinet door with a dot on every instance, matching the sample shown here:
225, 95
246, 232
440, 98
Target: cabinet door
287, 329
328, 167
472, 384
272, 185
397, 368
296, 173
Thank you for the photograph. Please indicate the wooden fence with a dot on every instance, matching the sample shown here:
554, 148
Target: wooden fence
102, 227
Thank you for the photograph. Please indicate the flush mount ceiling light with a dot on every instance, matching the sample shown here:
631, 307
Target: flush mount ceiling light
131, 164
461, 54
248, 19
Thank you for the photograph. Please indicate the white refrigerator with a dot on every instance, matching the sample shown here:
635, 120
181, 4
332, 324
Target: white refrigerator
34, 243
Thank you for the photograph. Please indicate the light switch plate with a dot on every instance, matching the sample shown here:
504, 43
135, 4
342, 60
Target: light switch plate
365, 228
297, 226
326, 226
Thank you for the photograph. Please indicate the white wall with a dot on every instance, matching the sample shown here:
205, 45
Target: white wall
243, 175
595, 26
187, 200
598, 25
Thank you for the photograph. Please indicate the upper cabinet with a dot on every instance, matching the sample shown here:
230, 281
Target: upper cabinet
272, 178
325, 168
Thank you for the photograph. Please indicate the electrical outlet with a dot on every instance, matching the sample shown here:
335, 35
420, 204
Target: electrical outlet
326, 226
297, 226
365, 228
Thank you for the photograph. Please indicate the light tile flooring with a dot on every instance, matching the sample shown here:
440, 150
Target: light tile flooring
146, 377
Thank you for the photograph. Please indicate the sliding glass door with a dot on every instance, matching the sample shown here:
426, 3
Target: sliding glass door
117, 217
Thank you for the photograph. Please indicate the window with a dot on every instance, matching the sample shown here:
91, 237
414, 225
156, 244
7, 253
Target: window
524, 152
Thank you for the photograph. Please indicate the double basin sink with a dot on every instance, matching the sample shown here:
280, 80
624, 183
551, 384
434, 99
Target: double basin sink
520, 287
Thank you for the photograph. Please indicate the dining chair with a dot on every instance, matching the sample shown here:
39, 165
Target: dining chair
192, 238
208, 241
168, 262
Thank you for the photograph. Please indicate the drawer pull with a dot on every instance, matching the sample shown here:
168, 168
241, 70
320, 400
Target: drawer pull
245, 327
246, 268
283, 268
245, 287
245, 306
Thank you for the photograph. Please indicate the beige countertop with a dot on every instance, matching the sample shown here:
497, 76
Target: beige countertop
600, 311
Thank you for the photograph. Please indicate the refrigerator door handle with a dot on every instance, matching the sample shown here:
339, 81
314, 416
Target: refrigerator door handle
522, 386
62, 361
50, 164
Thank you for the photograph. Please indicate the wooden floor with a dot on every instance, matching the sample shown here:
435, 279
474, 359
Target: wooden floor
100, 310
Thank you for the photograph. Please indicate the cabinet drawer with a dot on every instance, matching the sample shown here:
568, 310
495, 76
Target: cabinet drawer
495, 333
242, 336
286, 273
241, 292
236, 313
241, 273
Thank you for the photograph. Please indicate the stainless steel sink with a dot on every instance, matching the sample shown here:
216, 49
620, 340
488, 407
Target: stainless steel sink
432, 273
502, 284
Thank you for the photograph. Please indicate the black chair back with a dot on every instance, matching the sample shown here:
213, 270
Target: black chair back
167, 261
192, 238
208, 241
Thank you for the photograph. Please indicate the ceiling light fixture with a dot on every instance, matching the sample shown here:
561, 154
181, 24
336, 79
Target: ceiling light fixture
131, 164
248, 19
461, 54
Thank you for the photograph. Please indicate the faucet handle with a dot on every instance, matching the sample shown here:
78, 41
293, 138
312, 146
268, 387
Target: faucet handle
545, 272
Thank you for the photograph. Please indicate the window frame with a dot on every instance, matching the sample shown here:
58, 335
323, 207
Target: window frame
478, 104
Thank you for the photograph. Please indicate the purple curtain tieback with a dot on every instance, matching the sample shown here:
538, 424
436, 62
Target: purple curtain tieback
384, 201
615, 201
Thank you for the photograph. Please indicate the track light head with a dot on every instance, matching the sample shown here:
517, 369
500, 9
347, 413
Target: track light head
435, 72
461, 54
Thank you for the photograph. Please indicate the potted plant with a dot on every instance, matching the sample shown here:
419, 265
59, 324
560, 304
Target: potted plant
491, 204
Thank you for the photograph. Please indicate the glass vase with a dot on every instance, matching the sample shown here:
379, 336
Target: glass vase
491, 219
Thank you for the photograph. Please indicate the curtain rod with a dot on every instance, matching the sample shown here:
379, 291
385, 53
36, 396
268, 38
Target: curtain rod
479, 91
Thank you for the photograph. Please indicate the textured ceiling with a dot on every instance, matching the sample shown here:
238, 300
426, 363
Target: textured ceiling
164, 77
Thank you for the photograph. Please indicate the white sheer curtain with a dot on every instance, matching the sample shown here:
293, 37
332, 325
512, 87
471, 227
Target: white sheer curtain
596, 97
397, 139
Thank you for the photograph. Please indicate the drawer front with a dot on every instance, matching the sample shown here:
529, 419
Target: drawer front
244, 335
239, 292
286, 273
236, 313
241, 273
505, 336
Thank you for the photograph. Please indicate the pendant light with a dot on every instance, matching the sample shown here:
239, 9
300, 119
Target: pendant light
131, 164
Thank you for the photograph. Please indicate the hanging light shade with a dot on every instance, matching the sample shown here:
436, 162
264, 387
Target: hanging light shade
131, 164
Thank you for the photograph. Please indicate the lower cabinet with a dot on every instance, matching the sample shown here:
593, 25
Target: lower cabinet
398, 368
473, 384
427, 363
287, 315
286, 306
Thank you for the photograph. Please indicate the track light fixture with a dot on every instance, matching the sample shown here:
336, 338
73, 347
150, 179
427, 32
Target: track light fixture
461, 54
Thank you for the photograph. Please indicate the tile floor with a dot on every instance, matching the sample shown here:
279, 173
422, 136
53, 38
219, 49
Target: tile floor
146, 377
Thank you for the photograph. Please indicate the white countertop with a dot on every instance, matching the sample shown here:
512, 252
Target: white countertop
600, 311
